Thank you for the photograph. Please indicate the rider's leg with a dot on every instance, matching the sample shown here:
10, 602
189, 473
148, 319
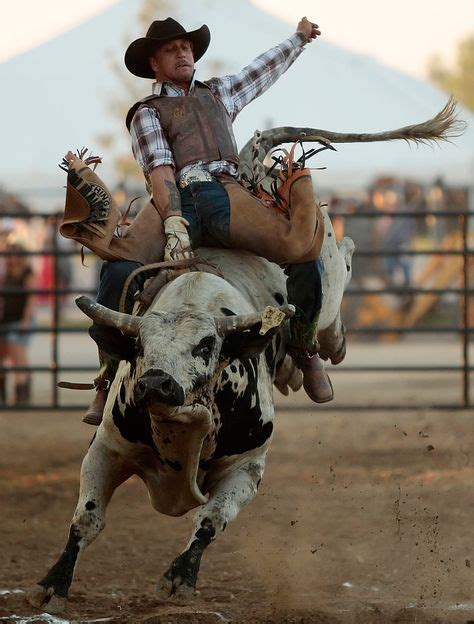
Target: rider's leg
257, 228
304, 288
304, 292
112, 279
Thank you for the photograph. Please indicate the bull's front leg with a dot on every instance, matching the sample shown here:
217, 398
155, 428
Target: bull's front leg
227, 496
101, 473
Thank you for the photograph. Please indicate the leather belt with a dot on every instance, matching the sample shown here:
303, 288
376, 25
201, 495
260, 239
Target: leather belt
197, 175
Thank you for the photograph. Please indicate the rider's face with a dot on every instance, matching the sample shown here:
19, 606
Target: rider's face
174, 62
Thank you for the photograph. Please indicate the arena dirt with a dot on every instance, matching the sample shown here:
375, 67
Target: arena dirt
361, 518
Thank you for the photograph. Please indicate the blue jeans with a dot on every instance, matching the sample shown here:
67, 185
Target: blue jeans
205, 205
112, 279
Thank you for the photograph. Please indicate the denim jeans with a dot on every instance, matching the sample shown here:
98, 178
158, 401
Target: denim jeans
205, 205
112, 279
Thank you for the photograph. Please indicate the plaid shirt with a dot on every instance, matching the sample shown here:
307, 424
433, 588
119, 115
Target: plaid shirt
149, 144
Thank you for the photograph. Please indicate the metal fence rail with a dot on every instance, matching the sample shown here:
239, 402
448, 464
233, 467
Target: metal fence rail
462, 330
464, 293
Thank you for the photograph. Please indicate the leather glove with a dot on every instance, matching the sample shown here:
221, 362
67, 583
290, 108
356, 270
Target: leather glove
178, 245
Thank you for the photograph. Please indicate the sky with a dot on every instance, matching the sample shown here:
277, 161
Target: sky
403, 34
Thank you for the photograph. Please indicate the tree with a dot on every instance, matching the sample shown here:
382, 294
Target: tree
459, 79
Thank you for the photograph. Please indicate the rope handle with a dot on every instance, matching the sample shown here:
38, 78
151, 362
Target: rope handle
155, 267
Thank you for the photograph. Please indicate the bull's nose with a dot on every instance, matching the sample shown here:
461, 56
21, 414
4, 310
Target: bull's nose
157, 386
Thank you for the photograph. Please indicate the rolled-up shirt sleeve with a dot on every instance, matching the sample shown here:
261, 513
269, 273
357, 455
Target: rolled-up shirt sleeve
149, 144
238, 90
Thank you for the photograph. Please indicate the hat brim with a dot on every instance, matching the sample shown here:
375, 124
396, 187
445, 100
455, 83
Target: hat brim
139, 51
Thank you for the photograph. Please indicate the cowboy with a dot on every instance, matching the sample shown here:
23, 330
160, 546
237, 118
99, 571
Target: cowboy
183, 140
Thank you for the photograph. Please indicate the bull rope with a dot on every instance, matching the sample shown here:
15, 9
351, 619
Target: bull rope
155, 268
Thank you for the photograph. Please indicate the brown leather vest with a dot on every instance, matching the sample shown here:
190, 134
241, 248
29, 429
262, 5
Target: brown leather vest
197, 126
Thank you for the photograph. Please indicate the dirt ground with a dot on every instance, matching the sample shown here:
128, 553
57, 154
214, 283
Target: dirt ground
361, 518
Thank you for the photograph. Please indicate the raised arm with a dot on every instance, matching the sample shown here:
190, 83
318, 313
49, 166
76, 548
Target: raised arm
240, 89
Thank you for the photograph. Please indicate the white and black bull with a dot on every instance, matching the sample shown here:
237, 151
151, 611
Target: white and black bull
191, 408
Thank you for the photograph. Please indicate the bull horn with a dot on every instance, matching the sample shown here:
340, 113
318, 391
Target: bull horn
126, 323
442, 127
270, 317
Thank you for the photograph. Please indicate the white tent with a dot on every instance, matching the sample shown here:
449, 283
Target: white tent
57, 96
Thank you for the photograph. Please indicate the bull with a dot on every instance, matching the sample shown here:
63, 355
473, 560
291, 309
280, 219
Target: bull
191, 408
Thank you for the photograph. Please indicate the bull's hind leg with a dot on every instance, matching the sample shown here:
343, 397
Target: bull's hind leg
337, 261
227, 496
101, 474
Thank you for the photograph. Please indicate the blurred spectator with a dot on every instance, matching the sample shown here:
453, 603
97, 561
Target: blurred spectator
16, 313
361, 230
415, 202
54, 271
436, 202
397, 237
336, 211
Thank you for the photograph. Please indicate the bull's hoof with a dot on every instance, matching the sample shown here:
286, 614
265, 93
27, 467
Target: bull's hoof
175, 589
44, 598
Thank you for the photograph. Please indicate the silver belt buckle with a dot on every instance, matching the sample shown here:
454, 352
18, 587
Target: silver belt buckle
199, 175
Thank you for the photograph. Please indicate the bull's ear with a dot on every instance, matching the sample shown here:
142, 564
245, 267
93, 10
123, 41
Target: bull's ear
246, 344
112, 342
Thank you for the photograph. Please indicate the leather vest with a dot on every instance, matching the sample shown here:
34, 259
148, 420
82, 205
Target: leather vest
197, 127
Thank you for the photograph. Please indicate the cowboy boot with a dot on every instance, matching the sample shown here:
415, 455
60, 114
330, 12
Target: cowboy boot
95, 411
91, 218
303, 349
316, 381
90, 212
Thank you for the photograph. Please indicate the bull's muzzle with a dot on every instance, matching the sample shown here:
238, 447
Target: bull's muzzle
156, 386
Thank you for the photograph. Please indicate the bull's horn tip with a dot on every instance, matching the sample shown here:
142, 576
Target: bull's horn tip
82, 300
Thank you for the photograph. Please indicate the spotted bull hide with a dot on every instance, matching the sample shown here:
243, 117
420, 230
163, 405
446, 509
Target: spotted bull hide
190, 411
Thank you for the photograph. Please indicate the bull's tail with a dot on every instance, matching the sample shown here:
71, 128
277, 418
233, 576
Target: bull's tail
443, 127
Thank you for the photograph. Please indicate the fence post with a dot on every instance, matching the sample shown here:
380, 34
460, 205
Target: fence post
55, 347
465, 323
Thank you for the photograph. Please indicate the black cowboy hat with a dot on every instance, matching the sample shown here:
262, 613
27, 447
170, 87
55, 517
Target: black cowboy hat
161, 31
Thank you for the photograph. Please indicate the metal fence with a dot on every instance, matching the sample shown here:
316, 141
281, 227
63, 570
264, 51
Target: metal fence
463, 329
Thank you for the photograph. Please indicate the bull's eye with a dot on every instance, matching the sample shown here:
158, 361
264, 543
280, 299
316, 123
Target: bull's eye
204, 348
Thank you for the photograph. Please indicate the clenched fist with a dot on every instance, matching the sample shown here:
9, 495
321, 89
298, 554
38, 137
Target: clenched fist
309, 29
